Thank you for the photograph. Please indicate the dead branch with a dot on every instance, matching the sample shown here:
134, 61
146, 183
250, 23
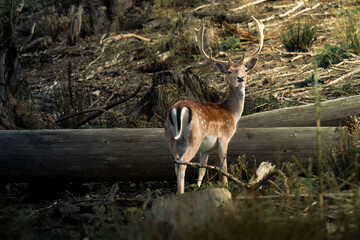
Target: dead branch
356, 71
205, 5
199, 165
284, 14
247, 5
107, 107
105, 42
305, 10
80, 113
25, 44
241, 34
256, 184
122, 36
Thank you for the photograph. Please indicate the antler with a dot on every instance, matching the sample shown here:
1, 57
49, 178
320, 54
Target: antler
260, 27
199, 39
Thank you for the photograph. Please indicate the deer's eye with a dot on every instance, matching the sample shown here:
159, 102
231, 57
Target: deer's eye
230, 72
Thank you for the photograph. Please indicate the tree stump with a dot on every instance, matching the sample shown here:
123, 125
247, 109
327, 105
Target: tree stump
169, 87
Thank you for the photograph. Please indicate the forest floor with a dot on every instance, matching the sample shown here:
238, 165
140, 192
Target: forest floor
280, 79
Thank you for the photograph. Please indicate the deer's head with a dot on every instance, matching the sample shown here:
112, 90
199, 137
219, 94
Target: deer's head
236, 71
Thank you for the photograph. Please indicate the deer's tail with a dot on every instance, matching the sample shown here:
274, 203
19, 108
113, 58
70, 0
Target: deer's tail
180, 119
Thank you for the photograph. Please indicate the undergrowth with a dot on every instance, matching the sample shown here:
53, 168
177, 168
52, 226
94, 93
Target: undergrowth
347, 32
342, 162
259, 104
332, 54
298, 37
348, 28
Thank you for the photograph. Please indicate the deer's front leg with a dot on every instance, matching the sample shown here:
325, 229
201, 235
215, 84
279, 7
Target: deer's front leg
223, 160
204, 156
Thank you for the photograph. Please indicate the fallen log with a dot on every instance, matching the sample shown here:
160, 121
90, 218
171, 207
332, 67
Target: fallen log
135, 154
333, 113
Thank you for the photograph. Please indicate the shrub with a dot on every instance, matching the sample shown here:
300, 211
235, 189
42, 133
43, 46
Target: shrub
332, 54
348, 28
298, 37
343, 160
230, 44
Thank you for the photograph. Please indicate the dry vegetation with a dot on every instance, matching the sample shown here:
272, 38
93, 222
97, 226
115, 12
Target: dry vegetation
90, 75
282, 78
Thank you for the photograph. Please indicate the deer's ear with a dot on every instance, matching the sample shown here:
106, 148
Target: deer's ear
223, 67
251, 64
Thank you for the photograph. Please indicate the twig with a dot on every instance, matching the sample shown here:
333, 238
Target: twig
80, 113
42, 209
122, 36
305, 10
107, 107
199, 165
284, 14
205, 5
247, 5
237, 181
25, 44
107, 41
356, 71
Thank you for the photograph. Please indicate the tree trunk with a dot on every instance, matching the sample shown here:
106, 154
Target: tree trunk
137, 154
13, 113
333, 113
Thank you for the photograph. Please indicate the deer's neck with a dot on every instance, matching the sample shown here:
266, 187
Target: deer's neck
234, 101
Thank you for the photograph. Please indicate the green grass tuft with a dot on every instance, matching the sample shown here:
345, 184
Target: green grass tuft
298, 37
230, 44
332, 54
342, 162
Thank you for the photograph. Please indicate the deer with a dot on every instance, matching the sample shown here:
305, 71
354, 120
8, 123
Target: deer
193, 127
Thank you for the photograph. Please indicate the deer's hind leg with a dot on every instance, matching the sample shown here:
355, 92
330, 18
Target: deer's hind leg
203, 158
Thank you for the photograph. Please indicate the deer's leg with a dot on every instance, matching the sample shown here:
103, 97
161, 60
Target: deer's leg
186, 157
204, 156
223, 160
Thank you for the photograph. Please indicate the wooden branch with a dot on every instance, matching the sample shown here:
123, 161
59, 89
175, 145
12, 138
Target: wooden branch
199, 165
137, 154
105, 42
108, 40
247, 5
284, 14
305, 10
37, 41
205, 6
24, 46
334, 113
80, 113
107, 107
356, 71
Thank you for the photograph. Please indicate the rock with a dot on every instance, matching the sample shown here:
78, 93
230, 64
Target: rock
181, 210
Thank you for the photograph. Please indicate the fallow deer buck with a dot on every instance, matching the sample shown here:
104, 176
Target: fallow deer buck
194, 127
